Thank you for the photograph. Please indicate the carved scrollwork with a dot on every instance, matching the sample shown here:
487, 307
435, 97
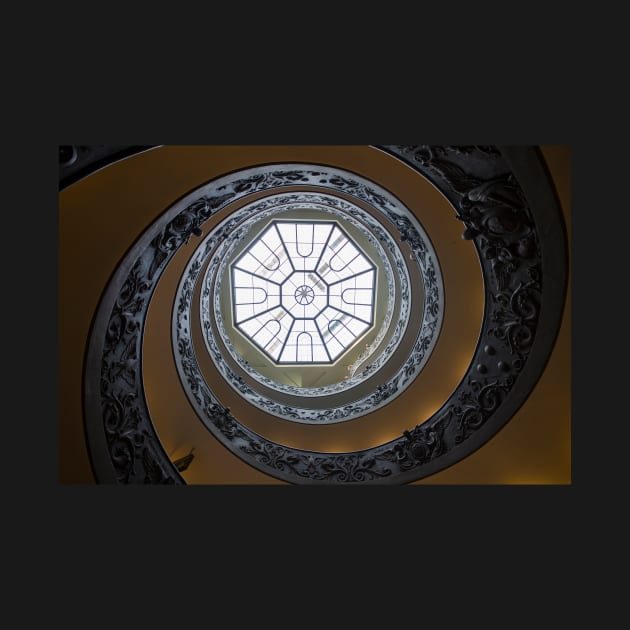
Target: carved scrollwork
177, 232
516, 317
420, 445
476, 405
497, 215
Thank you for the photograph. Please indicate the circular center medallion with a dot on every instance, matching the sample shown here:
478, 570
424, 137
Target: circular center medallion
304, 295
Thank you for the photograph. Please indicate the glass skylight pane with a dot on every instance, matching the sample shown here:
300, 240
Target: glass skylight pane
334, 348
357, 327
357, 296
272, 239
363, 313
359, 264
343, 257
274, 349
244, 312
252, 295
303, 291
249, 295
248, 263
366, 280
304, 242
319, 354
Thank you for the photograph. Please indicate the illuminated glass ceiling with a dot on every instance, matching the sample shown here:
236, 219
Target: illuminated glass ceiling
303, 292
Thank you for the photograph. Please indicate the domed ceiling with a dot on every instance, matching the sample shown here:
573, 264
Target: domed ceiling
317, 315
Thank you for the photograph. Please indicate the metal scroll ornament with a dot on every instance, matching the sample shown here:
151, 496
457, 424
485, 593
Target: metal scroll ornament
508, 209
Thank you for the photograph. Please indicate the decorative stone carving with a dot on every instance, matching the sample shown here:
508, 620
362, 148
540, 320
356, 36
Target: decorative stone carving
220, 242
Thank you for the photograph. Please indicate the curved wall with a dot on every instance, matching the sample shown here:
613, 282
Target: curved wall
119, 201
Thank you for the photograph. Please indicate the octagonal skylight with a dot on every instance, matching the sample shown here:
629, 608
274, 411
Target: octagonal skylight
303, 292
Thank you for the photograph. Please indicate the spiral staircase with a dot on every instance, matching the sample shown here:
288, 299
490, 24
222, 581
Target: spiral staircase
314, 315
